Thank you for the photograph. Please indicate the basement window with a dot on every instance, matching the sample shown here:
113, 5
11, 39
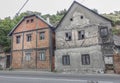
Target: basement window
68, 36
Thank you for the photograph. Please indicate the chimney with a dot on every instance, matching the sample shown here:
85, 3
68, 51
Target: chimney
48, 19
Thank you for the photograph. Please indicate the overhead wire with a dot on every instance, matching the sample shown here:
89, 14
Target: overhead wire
21, 8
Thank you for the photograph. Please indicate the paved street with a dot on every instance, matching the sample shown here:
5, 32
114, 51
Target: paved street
46, 77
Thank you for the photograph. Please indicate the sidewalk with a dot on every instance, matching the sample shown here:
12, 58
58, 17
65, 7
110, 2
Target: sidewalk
53, 73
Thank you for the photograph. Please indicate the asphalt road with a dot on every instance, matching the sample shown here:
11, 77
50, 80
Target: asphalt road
47, 77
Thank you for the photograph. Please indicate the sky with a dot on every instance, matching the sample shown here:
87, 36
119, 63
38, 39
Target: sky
11, 7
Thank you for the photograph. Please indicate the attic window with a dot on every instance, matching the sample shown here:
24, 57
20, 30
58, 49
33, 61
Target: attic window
81, 17
32, 20
27, 21
71, 19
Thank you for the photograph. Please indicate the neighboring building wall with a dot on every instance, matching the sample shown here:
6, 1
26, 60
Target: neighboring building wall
117, 63
116, 58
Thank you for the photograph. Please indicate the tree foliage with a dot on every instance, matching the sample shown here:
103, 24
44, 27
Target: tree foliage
7, 24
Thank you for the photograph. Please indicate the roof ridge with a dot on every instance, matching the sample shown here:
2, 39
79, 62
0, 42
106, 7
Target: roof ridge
50, 25
85, 8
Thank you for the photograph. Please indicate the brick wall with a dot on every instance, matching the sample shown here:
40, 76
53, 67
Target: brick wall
34, 46
17, 59
117, 63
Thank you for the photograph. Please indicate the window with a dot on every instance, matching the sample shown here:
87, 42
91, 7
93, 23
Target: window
81, 34
29, 37
66, 60
42, 35
42, 55
104, 32
27, 21
68, 36
71, 19
81, 17
17, 39
32, 20
85, 59
28, 56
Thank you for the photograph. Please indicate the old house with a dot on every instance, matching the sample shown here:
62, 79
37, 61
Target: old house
116, 54
32, 44
83, 41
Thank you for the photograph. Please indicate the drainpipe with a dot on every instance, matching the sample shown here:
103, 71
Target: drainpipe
36, 41
11, 51
50, 47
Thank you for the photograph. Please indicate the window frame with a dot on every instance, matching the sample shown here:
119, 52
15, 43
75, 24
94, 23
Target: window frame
18, 38
27, 21
66, 60
81, 35
81, 17
42, 35
28, 57
29, 37
68, 36
32, 20
85, 58
41, 56
103, 34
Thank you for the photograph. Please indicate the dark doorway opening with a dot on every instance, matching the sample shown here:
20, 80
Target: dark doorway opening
8, 61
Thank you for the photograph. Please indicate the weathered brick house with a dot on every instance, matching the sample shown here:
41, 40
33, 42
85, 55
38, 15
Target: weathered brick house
83, 41
32, 44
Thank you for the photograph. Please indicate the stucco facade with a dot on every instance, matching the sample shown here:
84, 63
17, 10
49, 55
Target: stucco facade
79, 45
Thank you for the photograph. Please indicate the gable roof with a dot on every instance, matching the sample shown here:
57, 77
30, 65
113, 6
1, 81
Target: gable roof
75, 2
27, 17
